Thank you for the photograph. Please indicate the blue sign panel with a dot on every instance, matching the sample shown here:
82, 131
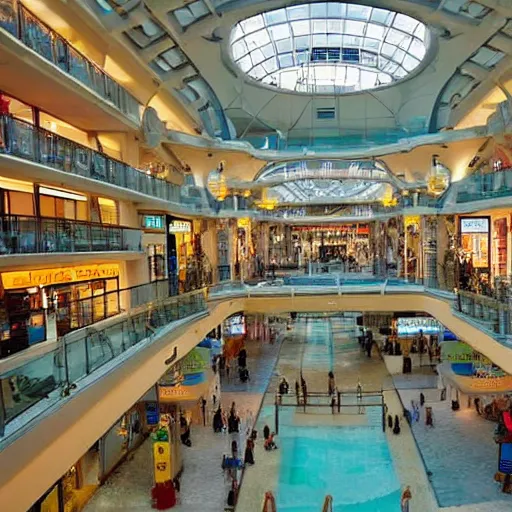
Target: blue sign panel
152, 415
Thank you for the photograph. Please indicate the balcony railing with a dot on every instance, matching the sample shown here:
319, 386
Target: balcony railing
41, 384
478, 187
36, 35
24, 140
34, 235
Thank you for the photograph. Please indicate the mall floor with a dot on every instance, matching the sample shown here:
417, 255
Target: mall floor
450, 458
203, 484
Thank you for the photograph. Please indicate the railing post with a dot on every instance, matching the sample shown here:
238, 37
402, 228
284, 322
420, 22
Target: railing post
276, 414
338, 392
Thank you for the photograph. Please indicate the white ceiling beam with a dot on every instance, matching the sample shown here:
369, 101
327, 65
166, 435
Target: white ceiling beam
501, 6
154, 50
492, 79
502, 42
175, 77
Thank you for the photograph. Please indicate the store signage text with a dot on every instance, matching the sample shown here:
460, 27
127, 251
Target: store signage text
153, 222
174, 391
180, 226
504, 383
474, 225
47, 277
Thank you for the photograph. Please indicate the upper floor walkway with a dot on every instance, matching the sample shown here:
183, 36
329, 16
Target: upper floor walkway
54, 406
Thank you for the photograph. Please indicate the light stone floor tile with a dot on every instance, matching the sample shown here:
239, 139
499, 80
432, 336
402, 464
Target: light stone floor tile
460, 453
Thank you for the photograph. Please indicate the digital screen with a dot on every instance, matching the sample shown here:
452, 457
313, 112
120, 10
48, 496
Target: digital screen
411, 326
235, 325
505, 465
153, 222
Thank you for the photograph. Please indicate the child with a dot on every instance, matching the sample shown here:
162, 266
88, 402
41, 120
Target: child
269, 443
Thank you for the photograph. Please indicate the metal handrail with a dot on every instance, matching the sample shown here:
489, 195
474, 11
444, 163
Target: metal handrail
24, 140
41, 38
22, 234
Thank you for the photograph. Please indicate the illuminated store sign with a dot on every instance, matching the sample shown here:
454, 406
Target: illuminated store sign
474, 225
30, 278
153, 222
411, 326
180, 226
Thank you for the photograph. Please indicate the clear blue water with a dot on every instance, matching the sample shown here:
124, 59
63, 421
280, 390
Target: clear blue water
352, 464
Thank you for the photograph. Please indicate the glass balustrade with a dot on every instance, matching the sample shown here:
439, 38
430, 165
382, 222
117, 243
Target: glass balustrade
485, 186
32, 388
24, 140
36, 35
33, 235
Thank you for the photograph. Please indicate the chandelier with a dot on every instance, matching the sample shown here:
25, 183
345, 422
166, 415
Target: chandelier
217, 183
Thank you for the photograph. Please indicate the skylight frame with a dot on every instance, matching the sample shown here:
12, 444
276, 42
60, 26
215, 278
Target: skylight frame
407, 40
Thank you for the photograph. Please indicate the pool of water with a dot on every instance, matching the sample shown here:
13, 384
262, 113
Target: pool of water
352, 464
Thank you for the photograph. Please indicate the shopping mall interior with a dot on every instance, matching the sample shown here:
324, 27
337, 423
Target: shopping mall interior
256, 255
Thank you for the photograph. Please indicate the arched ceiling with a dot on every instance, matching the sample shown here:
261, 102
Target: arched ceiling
183, 40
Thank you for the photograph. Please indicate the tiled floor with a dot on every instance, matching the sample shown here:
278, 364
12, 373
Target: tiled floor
203, 484
460, 453
343, 354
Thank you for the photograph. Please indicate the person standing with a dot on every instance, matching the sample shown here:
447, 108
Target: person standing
405, 499
304, 387
249, 452
331, 384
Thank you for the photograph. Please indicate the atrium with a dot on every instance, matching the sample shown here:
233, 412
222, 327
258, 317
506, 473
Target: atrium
256, 255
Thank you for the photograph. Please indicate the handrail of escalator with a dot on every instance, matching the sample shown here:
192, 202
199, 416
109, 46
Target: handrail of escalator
269, 505
327, 504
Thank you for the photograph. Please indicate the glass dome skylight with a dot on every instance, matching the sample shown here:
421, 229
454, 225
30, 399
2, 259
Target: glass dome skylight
321, 191
329, 47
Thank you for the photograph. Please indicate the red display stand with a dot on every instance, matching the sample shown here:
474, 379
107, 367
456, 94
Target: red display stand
163, 496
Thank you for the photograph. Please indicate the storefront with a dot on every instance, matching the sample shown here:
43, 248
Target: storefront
183, 388
499, 255
45, 304
330, 243
72, 492
180, 249
412, 246
473, 261
472, 380
223, 251
154, 242
123, 437
75, 488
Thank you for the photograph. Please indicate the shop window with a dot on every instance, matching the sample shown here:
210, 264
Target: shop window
18, 203
62, 204
156, 262
54, 125
109, 211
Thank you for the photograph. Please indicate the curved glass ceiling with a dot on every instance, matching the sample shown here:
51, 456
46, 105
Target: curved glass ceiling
319, 190
328, 47
333, 169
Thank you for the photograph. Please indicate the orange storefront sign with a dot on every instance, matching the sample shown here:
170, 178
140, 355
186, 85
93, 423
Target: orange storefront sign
47, 277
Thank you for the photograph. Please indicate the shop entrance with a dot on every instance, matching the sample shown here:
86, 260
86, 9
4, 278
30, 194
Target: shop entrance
46, 304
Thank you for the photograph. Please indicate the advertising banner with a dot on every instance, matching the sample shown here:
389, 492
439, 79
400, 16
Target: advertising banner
457, 352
